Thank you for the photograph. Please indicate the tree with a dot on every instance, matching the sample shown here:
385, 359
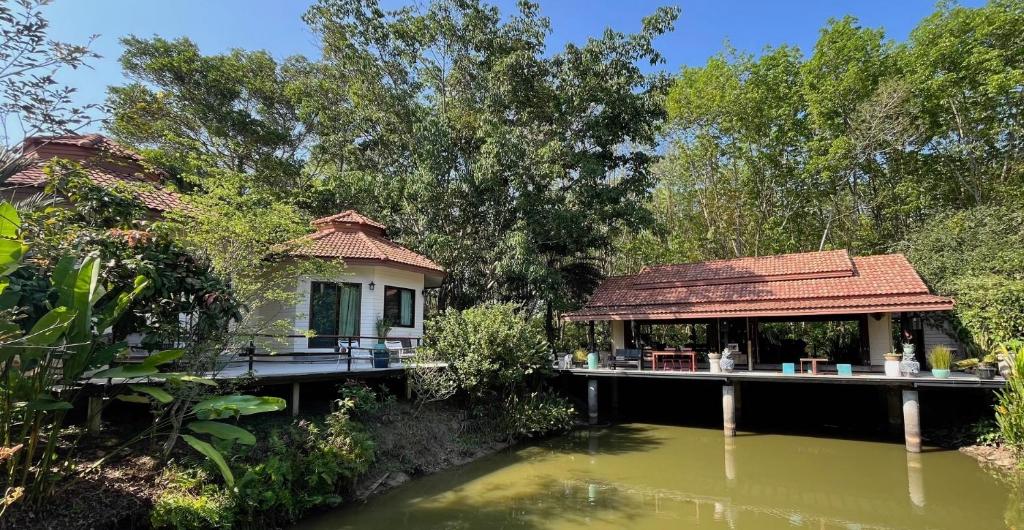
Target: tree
32, 101
513, 168
213, 120
857, 145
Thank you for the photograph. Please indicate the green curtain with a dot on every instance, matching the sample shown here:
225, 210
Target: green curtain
406, 307
351, 295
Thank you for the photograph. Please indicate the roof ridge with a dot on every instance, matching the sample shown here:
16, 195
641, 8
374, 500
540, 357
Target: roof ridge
846, 252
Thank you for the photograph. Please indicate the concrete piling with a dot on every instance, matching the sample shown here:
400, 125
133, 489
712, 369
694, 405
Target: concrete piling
729, 410
912, 421
592, 400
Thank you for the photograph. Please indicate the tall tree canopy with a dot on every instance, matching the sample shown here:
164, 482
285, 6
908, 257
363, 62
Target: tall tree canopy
855, 145
513, 167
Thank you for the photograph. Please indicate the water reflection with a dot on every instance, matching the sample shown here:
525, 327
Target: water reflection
915, 479
653, 477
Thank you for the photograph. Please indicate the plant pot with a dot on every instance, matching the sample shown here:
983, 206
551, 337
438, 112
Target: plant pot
892, 367
713, 362
940, 373
985, 372
592, 359
381, 357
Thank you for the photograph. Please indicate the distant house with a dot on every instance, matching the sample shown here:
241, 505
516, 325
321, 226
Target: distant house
106, 162
381, 280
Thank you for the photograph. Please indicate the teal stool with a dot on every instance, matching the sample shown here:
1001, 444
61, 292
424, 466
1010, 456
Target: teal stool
789, 368
845, 369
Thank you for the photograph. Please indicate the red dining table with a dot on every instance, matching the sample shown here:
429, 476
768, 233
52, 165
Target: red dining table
692, 355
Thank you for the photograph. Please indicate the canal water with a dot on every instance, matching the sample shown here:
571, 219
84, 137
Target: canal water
640, 476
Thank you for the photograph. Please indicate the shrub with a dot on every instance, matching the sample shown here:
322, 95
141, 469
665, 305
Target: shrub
1010, 407
538, 414
191, 502
497, 358
491, 349
304, 466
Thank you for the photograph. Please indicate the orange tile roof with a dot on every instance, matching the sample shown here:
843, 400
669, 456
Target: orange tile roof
795, 284
106, 162
154, 197
356, 238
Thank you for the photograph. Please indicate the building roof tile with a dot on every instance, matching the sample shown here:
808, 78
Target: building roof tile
793, 284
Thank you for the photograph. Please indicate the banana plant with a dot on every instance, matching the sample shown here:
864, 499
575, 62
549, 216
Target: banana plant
39, 356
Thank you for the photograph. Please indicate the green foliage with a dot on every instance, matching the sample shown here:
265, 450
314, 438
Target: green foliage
52, 334
190, 502
499, 359
304, 466
940, 357
538, 414
1010, 407
493, 350
857, 144
974, 256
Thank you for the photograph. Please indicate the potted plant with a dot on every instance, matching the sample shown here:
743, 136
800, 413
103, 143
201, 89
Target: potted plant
381, 355
986, 368
892, 364
940, 357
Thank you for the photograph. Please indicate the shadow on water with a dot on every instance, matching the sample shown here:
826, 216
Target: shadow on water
617, 440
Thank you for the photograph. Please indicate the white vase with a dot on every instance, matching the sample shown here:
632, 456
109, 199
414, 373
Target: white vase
713, 359
892, 368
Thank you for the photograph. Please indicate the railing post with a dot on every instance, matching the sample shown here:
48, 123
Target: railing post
251, 350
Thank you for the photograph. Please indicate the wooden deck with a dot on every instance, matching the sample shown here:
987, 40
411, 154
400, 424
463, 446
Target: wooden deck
863, 378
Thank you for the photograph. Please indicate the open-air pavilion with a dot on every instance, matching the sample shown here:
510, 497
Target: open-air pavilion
752, 304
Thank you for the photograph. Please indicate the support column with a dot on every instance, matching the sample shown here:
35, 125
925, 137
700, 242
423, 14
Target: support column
592, 400
894, 407
295, 399
912, 421
94, 414
729, 410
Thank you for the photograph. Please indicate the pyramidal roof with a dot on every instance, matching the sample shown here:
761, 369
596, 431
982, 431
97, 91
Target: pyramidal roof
359, 240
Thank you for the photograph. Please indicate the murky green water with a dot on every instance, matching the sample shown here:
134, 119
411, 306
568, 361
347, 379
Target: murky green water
646, 477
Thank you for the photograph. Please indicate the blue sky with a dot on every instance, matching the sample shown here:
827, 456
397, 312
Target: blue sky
276, 26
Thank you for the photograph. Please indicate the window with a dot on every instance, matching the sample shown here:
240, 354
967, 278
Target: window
333, 310
399, 306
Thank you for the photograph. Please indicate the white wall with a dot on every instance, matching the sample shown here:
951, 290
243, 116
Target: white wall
879, 338
618, 335
371, 303
935, 336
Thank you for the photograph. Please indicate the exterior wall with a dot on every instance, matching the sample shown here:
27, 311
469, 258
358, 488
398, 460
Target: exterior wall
879, 338
371, 302
618, 334
935, 336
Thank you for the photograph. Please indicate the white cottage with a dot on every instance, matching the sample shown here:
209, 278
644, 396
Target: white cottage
382, 279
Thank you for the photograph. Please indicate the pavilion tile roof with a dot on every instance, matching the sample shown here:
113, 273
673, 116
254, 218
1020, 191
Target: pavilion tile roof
356, 238
105, 161
812, 283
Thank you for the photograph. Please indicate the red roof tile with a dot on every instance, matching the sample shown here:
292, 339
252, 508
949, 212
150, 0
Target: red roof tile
793, 284
356, 238
106, 162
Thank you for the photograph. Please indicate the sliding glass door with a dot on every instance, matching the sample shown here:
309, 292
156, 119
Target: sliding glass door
333, 311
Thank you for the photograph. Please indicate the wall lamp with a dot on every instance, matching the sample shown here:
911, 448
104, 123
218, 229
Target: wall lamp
372, 285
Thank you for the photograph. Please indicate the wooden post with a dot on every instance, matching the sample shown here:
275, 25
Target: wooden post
408, 386
912, 421
729, 410
592, 400
94, 414
295, 399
